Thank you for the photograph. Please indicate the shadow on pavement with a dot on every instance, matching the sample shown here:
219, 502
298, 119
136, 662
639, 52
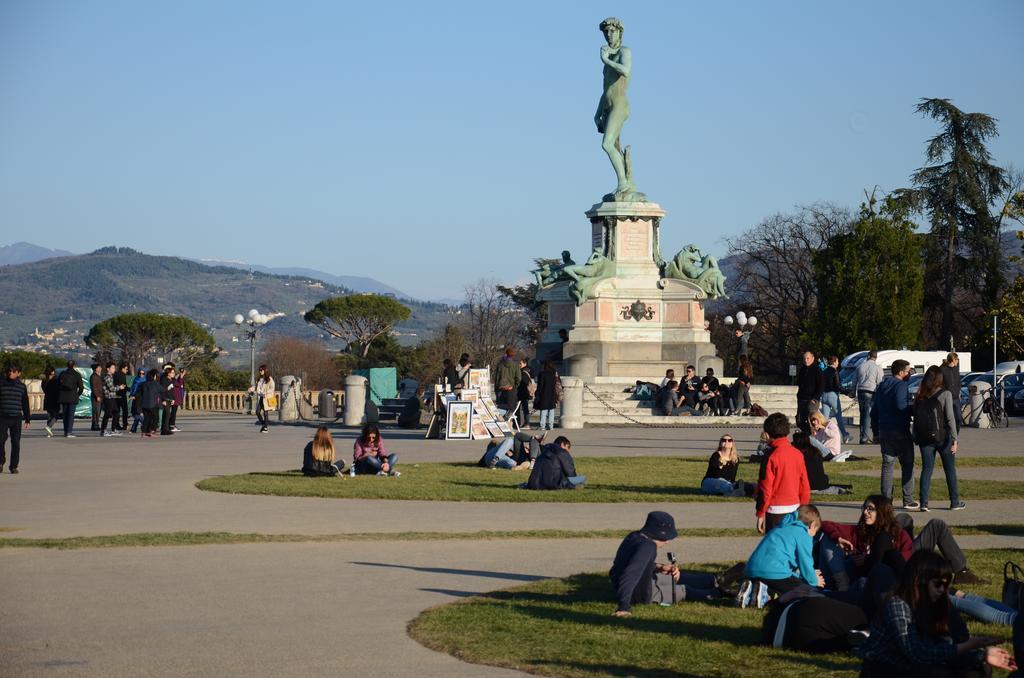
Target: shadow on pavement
449, 570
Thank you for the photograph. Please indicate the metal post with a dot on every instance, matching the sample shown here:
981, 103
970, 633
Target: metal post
995, 359
252, 355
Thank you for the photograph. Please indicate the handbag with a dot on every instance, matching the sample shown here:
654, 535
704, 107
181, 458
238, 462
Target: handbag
1013, 585
271, 401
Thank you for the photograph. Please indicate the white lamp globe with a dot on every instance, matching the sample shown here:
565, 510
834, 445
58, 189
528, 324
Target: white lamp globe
741, 318
728, 320
253, 314
239, 319
264, 319
751, 321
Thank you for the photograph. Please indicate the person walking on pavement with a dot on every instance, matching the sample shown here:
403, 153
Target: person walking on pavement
109, 402
121, 386
890, 416
51, 398
96, 396
808, 392
936, 433
951, 382
71, 389
869, 376
14, 414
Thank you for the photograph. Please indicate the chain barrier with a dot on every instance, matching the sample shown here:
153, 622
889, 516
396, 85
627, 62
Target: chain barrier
755, 421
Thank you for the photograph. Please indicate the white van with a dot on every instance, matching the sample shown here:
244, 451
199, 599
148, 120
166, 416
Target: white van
919, 362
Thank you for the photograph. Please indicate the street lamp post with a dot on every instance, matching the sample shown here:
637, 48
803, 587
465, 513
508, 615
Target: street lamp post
254, 322
742, 322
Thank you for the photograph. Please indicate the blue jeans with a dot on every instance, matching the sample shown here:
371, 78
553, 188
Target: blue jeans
716, 486
498, 453
547, 418
832, 407
372, 465
698, 586
576, 481
983, 609
69, 418
864, 401
945, 453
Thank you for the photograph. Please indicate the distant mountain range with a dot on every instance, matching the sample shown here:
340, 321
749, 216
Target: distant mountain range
50, 304
26, 253
352, 282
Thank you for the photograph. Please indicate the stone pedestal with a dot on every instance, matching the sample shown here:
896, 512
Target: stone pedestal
636, 323
355, 400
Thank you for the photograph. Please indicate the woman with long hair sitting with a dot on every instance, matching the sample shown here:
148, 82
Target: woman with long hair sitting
850, 552
318, 456
369, 456
917, 634
720, 478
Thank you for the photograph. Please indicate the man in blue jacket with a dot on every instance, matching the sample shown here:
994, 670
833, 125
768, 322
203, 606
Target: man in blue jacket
890, 416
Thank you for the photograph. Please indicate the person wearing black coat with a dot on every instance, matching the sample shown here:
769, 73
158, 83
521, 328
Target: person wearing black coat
523, 393
555, 469
150, 395
808, 391
546, 397
51, 398
14, 414
71, 389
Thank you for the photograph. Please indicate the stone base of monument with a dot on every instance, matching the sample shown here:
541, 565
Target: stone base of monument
623, 317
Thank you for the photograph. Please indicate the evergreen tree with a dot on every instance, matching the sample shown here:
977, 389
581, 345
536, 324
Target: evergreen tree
870, 283
955, 189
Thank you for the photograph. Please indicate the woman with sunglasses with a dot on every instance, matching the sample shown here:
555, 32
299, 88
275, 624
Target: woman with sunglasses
918, 634
720, 478
370, 457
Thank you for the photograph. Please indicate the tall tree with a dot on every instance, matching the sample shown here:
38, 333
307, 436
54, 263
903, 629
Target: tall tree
870, 283
774, 278
955, 189
133, 337
357, 319
490, 321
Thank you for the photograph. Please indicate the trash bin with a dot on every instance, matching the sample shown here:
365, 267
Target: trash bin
979, 391
328, 408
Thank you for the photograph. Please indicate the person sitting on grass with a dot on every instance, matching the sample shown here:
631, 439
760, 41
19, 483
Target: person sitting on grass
370, 457
720, 478
825, 437
318, 456
849, 552
816, 476
637, 579
783, 560
782, 485
917, 633
554, 469
409, 417
514, 452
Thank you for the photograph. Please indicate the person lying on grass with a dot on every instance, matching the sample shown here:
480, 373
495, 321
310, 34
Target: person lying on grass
318, 456
370, 457
918, 633
637, 579
783, 560
515, 452
555, 469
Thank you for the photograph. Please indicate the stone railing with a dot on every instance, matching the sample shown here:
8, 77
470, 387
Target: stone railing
236, 401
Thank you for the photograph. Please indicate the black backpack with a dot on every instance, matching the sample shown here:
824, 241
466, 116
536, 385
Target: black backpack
929, 421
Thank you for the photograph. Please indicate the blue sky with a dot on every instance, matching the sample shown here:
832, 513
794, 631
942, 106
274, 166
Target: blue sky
432, 144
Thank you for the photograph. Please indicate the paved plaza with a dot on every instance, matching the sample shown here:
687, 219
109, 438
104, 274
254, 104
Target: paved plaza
311, 609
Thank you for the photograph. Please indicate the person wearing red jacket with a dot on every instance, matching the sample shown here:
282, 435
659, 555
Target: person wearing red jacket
783, 484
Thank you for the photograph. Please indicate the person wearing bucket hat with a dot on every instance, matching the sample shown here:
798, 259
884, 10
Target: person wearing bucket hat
635, 575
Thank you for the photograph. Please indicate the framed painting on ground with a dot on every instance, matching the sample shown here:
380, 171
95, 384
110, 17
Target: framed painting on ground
478, 376
470, 395
504, 428
460, 416
493, 429
478, 428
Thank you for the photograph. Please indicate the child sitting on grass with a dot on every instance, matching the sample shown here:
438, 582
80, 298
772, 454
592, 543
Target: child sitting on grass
783, 560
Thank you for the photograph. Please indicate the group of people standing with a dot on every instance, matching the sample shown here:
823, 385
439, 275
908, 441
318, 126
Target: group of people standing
152, 398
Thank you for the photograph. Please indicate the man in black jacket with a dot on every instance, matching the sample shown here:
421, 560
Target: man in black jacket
96, 386
554, 469
71, 389
13, 409
808, 391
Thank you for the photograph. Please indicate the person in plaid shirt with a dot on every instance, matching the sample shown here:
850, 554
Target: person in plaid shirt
914, 634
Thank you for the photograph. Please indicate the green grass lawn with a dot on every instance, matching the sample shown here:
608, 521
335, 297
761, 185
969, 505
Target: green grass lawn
609, 480
564, 627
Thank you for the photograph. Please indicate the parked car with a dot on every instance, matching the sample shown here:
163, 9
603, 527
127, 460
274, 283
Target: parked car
919, 361
1018, 402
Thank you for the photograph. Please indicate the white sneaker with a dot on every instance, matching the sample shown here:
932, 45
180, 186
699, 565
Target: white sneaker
395, 474
763, 596
175, 429
744, 597
49, 431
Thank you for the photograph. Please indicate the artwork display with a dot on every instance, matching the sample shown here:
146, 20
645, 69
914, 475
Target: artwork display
478, 428
470, 395
493, 429
459, 422
478, 376
504, 428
